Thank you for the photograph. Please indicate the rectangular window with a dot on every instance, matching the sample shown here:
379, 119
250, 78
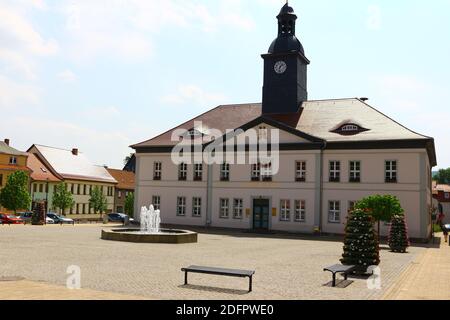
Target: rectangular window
335, 171
156, 201
447, 195
1, 180
225, 172
266, 171
198, 172
334, 212
391, 172
238, 208
300, 171
41, 188
196, 207
84, 208
157, 171
256, 172
285, 210
12, 160
351, 206
181, 206
35, 188
355, 171
72, 188
224, 208
300, 210
79, 189
182, 172
78, 209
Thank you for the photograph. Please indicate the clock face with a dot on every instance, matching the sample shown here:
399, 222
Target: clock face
280, 67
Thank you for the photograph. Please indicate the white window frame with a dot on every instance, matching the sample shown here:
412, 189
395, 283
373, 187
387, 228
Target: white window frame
390, 171
196, 207
350, 128
353, 172
335, 170
224, 208
181, 206
334, 213
256, 171
225, 171
300, 211
266, 170
198, 171
13, 160
157, 170
156, 202
285, 210
300, 170
238, 207
182, 171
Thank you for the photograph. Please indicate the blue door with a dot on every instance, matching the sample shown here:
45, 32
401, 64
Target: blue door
261, 213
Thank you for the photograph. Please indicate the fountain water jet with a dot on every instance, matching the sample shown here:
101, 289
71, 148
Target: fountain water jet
150, 220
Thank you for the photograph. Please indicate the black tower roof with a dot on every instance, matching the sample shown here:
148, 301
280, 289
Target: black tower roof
286, 40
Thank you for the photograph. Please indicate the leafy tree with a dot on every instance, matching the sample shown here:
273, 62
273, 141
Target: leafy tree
361, 247
14, 195
381, 208
129, 204
62, 198
98, 201
398, 235
443, 176
128, 158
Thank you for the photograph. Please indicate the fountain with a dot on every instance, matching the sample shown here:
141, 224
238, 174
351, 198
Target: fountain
150, 231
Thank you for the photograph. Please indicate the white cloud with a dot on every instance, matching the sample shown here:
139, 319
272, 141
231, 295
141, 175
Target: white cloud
194, 95
67, 76
13, 94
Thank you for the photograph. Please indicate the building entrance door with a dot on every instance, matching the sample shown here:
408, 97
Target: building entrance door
261, 213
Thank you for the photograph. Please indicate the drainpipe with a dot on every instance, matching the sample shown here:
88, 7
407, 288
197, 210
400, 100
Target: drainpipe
321, 187
209, 195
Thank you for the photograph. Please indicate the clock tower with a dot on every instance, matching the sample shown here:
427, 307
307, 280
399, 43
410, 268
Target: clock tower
285, 68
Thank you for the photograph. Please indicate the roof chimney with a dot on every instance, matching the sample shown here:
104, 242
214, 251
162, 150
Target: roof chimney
364, 99
75, 151
7, 142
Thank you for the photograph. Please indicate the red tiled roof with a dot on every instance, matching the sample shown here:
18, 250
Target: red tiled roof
40, 171
125, 179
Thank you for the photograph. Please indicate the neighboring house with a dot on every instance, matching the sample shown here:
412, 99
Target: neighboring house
43, 181
80, 175
125, 185
11, 160
131, 164
332, 153
441, 199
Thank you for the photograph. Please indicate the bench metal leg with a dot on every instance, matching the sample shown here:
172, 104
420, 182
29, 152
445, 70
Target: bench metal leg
250, 284
345, 276
185, 278
334, 280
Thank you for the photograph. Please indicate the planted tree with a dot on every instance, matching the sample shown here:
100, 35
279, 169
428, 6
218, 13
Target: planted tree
381, 208
398, 234
361, 247
129, 204
98, 201
62, 198
14, 196
443, 176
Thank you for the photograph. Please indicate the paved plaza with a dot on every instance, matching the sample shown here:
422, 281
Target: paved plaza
287, 267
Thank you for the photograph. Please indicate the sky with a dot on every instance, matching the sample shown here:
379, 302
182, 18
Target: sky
101, 75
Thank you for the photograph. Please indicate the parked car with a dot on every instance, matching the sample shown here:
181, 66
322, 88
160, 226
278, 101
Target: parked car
49, 220
60, 219
26, 216
119, 217
10, 219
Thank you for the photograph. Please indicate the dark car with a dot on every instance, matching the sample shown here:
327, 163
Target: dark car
26, 216
9, 219
118, 217
60, 219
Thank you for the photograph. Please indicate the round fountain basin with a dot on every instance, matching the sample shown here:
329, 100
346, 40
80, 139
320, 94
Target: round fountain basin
171, 236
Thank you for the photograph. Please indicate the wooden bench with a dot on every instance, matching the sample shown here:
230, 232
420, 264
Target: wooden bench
220, 272
339, 268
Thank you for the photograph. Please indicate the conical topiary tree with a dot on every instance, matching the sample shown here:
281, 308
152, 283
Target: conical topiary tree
361, 247
398, 234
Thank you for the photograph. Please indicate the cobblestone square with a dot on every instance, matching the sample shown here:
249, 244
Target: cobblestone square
287, 267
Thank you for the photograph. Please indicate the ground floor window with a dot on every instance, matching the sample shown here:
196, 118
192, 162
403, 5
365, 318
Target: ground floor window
196, 207
224, 208
237, 208
285, 210
334, 212
181, 206
351, 206
156, 201
300, 210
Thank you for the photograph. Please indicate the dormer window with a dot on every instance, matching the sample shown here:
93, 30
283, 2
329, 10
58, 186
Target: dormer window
348, 129
193, 133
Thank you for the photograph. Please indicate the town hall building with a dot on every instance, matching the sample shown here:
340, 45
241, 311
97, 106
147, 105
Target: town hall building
332, 153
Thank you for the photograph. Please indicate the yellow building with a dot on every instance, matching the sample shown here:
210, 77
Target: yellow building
11, 160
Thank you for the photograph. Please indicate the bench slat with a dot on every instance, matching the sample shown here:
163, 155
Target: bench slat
219, 271
339, 268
